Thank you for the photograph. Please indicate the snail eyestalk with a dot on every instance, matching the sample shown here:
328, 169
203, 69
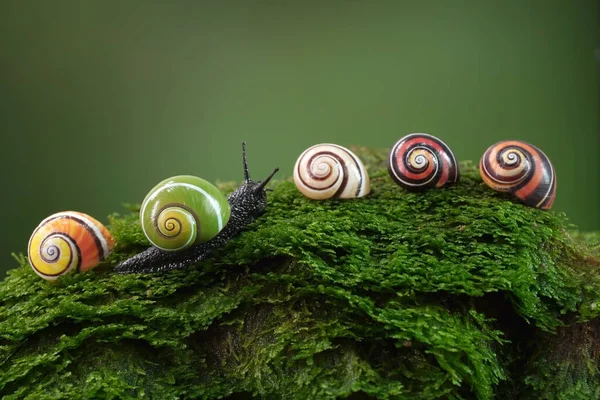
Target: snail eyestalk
246, 172
264, 183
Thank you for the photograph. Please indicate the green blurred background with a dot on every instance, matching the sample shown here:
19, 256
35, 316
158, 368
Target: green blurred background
100, 100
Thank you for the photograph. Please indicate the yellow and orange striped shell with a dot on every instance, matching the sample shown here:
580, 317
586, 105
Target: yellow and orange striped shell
68, 242
521, 169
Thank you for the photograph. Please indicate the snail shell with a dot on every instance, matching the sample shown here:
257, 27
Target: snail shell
521, 169
182, 211
326, 171
66, 242
420, 161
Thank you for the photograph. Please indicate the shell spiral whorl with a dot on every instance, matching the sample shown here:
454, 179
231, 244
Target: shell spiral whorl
182, 211
420, 161
176, 220
326, 171
66, 242
521, 169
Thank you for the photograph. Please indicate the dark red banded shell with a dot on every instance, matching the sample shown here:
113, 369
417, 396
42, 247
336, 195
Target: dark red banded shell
421, 161
521, 169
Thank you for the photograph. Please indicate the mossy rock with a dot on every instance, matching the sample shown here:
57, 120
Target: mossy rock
457, 293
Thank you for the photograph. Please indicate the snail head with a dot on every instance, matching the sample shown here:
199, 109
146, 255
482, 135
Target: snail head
251, 196
260, 184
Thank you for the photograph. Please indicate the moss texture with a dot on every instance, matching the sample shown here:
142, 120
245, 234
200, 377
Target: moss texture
457, 293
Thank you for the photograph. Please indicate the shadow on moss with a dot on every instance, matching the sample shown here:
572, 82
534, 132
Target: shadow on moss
456, 293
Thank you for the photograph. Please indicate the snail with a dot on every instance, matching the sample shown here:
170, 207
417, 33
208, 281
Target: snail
421, 161
521, 169
68, 242
326, 171
186, 218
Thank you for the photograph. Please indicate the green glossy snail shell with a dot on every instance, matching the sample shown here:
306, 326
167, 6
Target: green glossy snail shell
182, 211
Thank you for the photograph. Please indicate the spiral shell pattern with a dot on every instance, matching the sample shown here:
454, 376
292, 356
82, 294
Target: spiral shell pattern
421, 161
521, 169
182, 211
326, 171
66, 242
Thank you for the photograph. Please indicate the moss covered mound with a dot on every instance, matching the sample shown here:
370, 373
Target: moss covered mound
457, 293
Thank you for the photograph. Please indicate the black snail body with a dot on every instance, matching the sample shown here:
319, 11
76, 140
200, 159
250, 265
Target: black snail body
246, 203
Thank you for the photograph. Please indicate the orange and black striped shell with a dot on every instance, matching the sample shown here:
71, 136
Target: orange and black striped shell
521, 169
68, 242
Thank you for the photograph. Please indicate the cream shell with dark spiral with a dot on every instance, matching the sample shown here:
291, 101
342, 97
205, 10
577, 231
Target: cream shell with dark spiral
327, 171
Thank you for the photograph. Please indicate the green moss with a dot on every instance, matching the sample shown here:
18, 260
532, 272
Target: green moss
455, 293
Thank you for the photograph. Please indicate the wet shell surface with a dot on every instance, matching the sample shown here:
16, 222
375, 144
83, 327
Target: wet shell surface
421, 161
328, 171
521, 169
67, 242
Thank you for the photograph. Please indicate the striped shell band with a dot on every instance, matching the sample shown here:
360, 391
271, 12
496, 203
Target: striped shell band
66, 242
182, 211
421, 161
521, 169
327, 171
